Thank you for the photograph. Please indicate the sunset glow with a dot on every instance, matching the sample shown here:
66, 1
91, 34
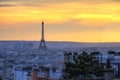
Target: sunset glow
81, 21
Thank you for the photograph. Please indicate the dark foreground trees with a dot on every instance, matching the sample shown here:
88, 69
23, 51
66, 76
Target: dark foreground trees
83, 65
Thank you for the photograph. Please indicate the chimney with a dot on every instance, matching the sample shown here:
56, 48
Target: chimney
108, 72
35, 74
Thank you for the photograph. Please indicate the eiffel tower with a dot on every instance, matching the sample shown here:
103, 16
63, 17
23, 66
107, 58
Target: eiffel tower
42, 42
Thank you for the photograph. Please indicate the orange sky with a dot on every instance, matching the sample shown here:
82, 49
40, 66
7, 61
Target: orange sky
78, 20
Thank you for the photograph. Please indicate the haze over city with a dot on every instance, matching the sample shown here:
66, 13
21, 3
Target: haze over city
65, 20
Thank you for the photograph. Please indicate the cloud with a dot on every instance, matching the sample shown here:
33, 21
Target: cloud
7, 5
115, 0
60, 1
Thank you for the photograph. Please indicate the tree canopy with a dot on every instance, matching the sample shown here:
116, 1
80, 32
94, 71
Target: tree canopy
83, 65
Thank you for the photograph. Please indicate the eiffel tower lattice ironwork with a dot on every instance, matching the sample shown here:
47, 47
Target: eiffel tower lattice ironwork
42, 42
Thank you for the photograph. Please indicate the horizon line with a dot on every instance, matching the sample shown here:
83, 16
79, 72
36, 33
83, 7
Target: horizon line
67, 41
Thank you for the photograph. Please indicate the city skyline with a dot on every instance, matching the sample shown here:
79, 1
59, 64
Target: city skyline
78, 20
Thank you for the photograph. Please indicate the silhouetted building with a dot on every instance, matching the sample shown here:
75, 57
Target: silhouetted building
42, 43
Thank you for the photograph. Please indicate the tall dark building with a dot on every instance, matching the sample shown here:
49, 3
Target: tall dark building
42, 42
